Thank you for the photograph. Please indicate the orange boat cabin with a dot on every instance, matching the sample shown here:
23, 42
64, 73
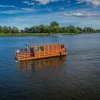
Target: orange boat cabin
40, 51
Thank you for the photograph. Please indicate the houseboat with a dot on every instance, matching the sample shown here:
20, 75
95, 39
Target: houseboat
40, 51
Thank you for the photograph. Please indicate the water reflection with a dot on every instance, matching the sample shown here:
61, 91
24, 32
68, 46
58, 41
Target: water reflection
42, 64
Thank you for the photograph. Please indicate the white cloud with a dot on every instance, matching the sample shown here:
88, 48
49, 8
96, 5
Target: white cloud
44, 2
28, 3
81, 14
65, 14
27, 9
25, 19
10, 12
94, 2
22, 10
7, 6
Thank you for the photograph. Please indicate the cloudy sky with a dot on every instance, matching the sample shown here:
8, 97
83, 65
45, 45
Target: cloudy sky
26, 13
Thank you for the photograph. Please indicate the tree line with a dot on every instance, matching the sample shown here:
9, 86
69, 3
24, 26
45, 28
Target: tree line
50, 29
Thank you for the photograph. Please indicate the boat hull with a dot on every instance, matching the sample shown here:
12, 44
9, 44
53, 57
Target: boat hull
33, 58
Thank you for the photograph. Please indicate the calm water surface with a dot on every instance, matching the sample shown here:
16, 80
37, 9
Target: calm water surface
74, 77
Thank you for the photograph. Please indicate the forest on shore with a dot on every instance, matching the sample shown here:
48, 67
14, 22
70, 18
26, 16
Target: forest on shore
53, 28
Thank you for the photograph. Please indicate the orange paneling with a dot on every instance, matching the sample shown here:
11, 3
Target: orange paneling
49, 50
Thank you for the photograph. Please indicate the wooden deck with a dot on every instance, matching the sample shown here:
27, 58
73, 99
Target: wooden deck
43, 51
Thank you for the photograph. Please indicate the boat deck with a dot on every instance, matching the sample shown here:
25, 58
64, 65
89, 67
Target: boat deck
42, 51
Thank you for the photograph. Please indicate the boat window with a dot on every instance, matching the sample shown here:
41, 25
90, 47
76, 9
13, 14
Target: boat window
62, 46
36, 48
42, 48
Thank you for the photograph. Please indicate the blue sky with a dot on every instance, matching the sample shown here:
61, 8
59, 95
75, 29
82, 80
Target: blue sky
26, 13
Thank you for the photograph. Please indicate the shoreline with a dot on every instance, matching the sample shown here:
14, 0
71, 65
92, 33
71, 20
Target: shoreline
36, 34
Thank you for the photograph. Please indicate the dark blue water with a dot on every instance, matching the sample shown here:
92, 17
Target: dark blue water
74, 77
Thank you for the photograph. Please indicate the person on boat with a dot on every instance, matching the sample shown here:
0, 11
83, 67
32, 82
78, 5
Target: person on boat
17, 51
21, 50
26, 48
31, 51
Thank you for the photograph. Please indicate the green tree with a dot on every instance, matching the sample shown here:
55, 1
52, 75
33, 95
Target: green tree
88, 30
15, 30
0, 29
5, 29
54, 23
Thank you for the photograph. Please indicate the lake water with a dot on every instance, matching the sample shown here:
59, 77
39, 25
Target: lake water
74, 77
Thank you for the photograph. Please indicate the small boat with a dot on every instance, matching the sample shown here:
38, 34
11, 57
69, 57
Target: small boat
41, 51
